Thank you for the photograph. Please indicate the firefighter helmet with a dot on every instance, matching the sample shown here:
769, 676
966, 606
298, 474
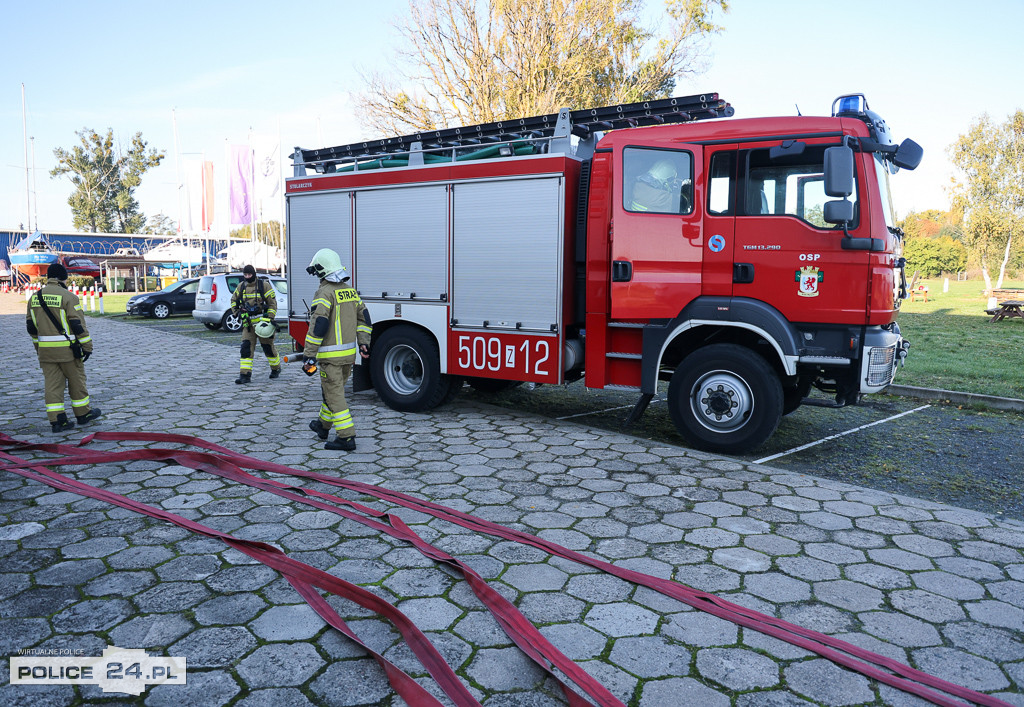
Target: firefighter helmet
324, 262
265, 329
662, 170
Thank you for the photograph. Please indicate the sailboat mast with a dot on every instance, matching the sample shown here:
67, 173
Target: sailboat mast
24, 128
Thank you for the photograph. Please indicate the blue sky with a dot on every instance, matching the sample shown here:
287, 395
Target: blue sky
226, 68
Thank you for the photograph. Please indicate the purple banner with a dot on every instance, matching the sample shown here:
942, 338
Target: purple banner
240, 184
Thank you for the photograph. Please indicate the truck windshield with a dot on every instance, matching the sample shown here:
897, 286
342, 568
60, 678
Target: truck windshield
882, 173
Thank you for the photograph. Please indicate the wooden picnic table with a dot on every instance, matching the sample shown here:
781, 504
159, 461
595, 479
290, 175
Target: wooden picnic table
1007, 310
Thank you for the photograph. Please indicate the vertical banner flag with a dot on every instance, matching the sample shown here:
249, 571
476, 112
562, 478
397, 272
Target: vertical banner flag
198, 212
267, 166
240, 185
207, 196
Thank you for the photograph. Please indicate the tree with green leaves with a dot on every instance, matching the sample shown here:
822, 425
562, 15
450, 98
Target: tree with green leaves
990, 193
160, 225
463, 62
105, 176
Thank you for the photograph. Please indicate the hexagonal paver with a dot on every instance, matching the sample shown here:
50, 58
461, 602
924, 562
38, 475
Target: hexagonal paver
288, 623
280, 665
533, 578
826, 682
622, 619
214, 647
737, 668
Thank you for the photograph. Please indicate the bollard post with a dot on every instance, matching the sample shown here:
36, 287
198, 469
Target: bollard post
101, 301
92, 299
945, 285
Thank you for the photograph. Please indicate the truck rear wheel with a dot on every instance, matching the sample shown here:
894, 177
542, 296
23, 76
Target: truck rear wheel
725, 398
406, 369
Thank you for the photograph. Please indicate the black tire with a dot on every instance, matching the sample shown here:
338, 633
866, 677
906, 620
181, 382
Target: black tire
406, 370
492, 385
231, 322
212, 326
161, 310
725, 398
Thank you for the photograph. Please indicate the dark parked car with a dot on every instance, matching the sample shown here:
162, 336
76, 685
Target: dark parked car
179, 298
82, 266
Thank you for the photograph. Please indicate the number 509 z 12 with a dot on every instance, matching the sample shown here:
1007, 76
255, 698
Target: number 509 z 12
508, 356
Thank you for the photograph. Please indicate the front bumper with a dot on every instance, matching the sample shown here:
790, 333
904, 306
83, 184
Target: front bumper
142, 309
883, 351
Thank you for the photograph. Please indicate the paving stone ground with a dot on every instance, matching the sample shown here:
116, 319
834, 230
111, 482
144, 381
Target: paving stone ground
934, 586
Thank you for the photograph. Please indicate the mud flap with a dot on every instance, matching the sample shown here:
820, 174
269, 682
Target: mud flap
361, 377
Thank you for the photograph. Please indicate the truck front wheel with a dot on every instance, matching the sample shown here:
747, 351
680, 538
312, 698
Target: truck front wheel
406, 369
725, 398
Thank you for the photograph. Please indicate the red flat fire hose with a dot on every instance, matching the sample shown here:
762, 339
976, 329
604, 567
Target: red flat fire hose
229, 465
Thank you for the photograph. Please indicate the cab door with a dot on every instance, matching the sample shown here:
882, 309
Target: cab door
656, 234
719, 270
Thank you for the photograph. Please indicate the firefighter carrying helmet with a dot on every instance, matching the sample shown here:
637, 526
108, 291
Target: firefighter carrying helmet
265, 329
325, 261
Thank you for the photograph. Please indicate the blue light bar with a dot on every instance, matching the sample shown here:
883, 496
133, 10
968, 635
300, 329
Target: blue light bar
852, 104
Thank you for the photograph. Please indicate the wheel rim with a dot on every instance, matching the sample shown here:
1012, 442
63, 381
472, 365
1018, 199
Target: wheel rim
721, 401
232, 323
160, 311
403, 369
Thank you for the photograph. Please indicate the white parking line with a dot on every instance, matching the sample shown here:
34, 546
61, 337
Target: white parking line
836, 436
598, 412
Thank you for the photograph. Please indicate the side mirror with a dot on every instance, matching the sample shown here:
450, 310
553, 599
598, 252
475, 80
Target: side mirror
838, 211
908, 155
839, 171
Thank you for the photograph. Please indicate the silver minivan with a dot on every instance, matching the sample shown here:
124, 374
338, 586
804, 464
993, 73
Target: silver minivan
213, 300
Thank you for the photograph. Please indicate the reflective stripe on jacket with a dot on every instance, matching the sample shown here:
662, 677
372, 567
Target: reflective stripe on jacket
50, 341
347, 327
247, 297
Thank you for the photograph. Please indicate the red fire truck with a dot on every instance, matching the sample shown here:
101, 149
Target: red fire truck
742, 261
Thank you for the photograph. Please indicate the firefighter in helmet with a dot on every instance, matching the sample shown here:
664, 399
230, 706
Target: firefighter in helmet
56, 323
255, 302
338, 326
658, 190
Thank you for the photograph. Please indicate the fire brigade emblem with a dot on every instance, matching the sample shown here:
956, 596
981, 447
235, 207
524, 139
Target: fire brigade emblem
809, 277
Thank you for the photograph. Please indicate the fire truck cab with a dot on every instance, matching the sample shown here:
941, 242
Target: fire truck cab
742, 261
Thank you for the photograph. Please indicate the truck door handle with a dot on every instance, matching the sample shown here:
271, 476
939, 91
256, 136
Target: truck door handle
742, 273
622, 271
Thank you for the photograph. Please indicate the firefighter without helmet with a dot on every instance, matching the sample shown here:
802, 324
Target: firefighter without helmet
325, 261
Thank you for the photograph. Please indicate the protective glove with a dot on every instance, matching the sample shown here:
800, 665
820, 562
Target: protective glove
86, 355
309, 365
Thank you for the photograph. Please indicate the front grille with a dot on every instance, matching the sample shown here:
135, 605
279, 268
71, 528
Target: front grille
881, 365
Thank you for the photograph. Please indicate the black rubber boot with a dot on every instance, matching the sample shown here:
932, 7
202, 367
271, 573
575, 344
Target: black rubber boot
62, 423
274, 373
345, 444
318, 427
89, 416
243, 378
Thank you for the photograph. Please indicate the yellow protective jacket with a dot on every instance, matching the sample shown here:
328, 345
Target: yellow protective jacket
247, 298
49, 340
337, 323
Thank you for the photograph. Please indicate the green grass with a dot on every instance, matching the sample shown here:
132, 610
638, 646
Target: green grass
955, 346
112, 304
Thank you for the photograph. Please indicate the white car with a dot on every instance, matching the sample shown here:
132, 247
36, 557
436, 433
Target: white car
213, 300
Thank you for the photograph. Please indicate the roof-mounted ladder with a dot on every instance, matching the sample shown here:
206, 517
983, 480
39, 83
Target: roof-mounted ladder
555, 128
